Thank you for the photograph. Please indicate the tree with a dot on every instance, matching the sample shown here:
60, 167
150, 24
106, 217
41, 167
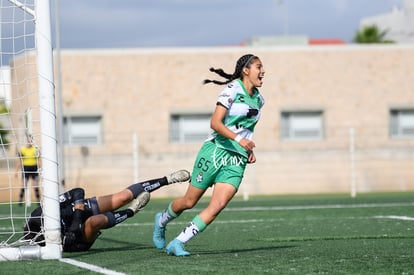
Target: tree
371, 34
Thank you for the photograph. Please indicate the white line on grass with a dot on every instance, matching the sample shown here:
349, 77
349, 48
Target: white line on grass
326, 206
403, 218
309, 207
297, 207
272, 220
91, 267
186, 222
293, 207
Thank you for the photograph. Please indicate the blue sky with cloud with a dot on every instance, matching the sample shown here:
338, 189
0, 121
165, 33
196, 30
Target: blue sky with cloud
182, 23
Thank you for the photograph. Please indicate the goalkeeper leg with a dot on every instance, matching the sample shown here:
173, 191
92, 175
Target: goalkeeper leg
120, 199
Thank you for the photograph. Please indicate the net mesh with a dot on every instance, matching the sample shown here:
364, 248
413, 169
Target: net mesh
19, 118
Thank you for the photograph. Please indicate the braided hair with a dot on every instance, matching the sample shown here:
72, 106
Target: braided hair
244, 61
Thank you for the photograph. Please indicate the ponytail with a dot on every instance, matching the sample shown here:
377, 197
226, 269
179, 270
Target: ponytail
244, 61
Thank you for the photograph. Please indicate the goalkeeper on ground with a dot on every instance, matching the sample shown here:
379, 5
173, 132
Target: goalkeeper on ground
82, 219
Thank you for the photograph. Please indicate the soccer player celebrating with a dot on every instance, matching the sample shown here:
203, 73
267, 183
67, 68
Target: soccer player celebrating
222, 158
82, 219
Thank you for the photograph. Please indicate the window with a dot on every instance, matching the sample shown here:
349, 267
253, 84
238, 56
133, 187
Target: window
189, 128
402, 122
82, 130
301, 125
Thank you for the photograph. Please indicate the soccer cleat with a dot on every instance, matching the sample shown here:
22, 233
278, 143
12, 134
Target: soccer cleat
176, 248
140, 201
178, 176
158, 237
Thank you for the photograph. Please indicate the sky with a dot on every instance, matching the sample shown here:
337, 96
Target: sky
196, 23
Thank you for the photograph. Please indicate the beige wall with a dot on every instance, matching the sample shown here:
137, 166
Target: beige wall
136, 90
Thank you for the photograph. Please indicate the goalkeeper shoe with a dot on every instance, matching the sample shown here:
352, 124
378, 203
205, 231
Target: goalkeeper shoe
139, 202
158, 237
178, 176
176, 248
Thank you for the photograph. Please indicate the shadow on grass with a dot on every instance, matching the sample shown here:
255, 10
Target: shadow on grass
128, 246
245, 250
120, 246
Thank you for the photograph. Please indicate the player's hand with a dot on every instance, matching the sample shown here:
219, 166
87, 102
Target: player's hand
247, 144
251, 158
69, 239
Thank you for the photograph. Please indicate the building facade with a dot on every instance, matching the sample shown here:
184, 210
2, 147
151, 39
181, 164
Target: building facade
336, 119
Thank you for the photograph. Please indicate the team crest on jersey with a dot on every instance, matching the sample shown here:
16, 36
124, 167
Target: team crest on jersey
199, 177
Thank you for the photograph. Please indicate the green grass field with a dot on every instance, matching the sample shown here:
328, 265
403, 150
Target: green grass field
313, 234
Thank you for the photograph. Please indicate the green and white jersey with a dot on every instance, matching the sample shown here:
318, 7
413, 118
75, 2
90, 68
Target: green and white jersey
243, 113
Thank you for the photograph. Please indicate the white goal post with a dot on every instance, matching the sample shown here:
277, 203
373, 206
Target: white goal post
28, 94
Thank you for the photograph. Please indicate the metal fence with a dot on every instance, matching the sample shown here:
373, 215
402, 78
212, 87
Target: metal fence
345, 160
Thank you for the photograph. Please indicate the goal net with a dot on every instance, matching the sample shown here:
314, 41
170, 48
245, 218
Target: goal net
28, 121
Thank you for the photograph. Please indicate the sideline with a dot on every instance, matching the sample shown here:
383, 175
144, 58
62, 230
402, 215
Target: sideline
392, 217
324, 206
91, 267
295, 207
